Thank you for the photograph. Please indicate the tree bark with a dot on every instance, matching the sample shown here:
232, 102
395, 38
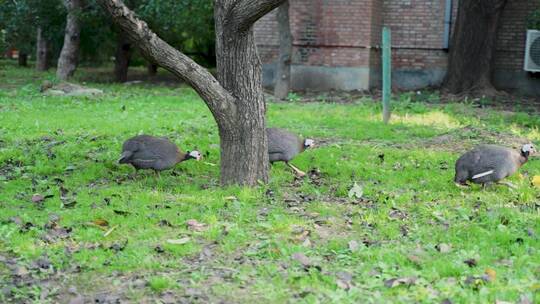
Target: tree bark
152, 69
22, 59
283, 71
67, 63
236, 101
244, 145
42, 51
471, 51
122, 57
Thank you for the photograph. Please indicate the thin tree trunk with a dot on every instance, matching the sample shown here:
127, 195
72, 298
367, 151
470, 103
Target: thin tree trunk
152, 69
283, 71
22, 59
470, 61
122, 57
236, 101
42, 51
67, 63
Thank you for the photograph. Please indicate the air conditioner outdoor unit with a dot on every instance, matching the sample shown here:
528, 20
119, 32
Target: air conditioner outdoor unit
532, 51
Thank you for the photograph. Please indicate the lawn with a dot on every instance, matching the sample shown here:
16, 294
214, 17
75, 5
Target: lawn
74, 224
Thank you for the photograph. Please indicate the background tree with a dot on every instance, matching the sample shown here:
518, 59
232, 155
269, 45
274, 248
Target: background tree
186, 24
20, 19
283, 70
470, 61
68, 60
122, 56
42, 51
236, 101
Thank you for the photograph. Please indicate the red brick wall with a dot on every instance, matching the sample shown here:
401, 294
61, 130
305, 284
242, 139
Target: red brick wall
326, 33
510, 49
341, 33
417, 32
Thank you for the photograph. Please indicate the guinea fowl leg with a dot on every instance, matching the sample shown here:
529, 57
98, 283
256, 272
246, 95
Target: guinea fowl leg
509, 184
463, 186
296, 170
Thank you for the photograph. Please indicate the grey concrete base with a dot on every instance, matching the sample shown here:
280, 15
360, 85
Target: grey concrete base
408, 79
320, 78
519, 81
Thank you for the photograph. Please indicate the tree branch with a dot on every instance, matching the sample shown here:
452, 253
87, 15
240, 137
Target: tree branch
155, 49
244, 13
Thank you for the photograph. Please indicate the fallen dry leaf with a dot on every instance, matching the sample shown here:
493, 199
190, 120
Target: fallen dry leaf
536, 181
181, 241
491, 273
443, 248
37, 198
100, 222
353, 246
400, 281
344, 280
305, 261
415, 259
302, 259
356, 191
194, 225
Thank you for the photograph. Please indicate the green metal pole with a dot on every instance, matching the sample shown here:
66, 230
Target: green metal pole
387, 73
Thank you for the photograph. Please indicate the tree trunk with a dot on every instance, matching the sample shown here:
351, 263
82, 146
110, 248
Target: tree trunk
67, 63
244, 145
122, 57
236, 101
22, 59
472, 47
42, 51
283, 71
152, 69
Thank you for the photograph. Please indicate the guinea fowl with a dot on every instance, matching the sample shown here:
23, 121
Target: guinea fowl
489, 163
284, 146
156, 153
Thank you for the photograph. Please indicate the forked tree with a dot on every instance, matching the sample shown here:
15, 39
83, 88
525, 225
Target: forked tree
470, 63
235, 98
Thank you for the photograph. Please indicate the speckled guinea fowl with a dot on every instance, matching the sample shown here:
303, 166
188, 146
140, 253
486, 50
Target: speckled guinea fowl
284, 146
489, 163
156, 153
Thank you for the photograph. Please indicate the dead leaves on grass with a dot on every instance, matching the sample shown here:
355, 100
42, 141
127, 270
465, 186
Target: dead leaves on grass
195, 225
408, 281
180, 241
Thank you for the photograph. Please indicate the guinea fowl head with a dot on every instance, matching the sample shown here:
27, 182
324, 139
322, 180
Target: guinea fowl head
309, 143
527, 150
196, 155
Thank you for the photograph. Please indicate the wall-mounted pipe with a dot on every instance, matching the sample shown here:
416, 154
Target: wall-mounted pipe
447, 23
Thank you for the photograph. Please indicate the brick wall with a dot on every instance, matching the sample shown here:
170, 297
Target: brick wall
417, 32
510, 48
326, 33
346, 33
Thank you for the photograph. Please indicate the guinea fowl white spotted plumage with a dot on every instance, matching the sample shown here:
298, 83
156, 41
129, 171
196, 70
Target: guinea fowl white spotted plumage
284, 146
156, 153
490, 164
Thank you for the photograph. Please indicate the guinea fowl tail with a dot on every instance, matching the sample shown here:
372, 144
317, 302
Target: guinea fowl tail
126, 155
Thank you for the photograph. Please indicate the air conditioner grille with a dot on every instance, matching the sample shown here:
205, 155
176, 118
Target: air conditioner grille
535, 51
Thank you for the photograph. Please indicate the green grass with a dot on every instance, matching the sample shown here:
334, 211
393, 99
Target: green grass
410, 204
